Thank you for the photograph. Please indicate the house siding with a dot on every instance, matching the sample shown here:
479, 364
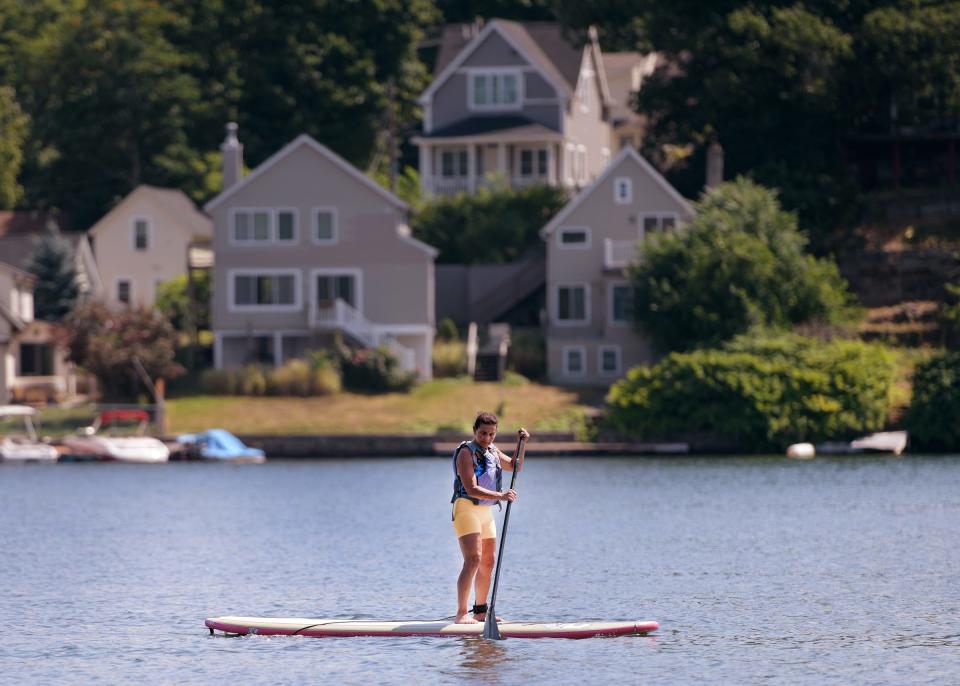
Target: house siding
588, 128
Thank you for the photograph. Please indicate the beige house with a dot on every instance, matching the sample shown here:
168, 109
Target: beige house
591, 339
514, 101
144, 241
306, 246
626, 72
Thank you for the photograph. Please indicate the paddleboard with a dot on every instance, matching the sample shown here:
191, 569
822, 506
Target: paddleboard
318, 628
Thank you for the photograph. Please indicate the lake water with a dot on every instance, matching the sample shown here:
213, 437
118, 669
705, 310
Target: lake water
760, 570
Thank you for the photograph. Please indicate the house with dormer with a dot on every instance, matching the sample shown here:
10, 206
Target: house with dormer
514, 102
307, 247
591, 339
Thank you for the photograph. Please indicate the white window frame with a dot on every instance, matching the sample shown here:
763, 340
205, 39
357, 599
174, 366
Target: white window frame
116, 290
296, 306
564, 362
628, 185
659, 216
574, 246
133, 232
586, 304
456, 152
534, 151
487, 72
618, 351
569, 151
314, 225
355, 272
582, 163
273, 226
613, 285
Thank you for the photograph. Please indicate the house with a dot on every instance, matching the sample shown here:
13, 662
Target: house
32, 367
514, 100
306, 246
144, 241
19, 233
591, 338
625, 74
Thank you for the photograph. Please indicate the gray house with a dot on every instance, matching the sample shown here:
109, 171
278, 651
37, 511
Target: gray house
305, 246
514, 101
591, 339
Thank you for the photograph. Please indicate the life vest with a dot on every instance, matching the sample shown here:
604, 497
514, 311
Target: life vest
486, 467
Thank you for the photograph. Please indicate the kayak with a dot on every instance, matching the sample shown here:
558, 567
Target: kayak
321, 628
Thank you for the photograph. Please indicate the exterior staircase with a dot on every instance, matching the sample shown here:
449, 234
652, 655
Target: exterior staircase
341, 316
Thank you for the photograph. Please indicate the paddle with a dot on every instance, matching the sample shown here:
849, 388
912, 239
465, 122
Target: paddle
490, 628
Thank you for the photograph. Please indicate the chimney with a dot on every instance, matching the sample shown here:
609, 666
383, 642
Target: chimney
714, 165
232, 157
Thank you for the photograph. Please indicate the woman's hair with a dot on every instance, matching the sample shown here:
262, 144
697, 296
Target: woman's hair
485, 418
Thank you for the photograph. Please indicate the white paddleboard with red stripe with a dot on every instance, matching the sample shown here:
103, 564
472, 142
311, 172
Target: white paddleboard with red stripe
318, 628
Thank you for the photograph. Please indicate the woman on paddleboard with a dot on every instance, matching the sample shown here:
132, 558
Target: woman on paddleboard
477, 467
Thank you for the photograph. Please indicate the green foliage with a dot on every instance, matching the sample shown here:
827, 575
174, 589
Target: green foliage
763, 393
932, 417
527, 355
372, 370
173, 299
408, 186
52, 262
106, 343
493, 225
740, 263
449, 359
14, 125
447, 330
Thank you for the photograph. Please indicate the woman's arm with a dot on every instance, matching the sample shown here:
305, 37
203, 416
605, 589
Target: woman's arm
469, 479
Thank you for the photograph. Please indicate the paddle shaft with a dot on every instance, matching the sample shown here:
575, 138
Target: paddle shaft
490, 629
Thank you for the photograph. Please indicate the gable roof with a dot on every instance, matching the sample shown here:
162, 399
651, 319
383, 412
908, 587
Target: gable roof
173, 201
304, 140
19, 232
542, 44
627, 153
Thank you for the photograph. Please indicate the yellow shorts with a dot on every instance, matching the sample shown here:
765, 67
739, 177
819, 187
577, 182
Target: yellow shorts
473, 519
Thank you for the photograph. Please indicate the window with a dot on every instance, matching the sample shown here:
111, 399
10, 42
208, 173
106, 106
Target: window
568, 155
609, 359
261, 226
533, 162
658, 222
581, 163
141, 234
453, 164
621, 303
124, 291
623, 190
331, 287
574, 360
574, 237
571, 304
324, 225
265, 289
494, 89
36, 359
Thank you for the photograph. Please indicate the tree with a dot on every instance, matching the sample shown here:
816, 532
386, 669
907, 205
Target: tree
184, 311
52, 262
106, 343
740, 263
493, 225
13, 135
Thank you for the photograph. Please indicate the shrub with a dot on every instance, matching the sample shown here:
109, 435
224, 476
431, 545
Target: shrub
251, 380
373, 370
326, 381
449, 359
295, 377
447, 330
528, 353
219, 381
762, 393
932, 418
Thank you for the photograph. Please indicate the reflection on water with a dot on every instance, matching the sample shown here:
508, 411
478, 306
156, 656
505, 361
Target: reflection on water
759, 570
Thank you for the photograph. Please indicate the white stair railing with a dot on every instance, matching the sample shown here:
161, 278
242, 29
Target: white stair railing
342, 315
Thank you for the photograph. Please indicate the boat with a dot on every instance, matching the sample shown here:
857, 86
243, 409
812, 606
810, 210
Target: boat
91, 444
24, 446
883, 442
326, 628
218, 445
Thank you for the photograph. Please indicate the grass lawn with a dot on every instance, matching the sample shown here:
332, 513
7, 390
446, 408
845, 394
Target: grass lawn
444, 404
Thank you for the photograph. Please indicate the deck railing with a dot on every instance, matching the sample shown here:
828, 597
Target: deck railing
341, 315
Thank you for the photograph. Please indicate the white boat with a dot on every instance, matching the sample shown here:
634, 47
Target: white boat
24, 446
91, 444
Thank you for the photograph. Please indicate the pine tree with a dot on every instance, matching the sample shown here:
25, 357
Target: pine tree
52, 263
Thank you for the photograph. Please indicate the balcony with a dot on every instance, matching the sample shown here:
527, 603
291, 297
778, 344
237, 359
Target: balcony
619, 254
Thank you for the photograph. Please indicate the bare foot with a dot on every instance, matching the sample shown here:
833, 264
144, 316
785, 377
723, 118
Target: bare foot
482, 617
465, 618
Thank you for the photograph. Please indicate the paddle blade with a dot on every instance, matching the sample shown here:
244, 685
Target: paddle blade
490, 628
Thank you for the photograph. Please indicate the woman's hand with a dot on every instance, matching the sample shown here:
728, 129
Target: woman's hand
509, 495
523, 433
